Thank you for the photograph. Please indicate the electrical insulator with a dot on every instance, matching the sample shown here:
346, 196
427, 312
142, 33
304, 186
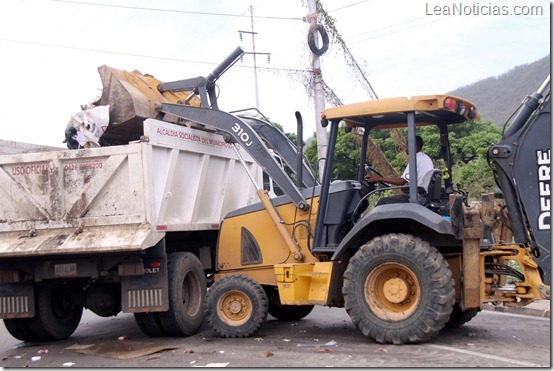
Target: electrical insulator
269, 58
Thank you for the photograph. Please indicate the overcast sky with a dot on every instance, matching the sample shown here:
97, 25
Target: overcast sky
51, 51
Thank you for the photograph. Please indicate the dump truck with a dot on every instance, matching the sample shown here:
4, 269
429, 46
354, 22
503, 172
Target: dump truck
122, 228
403, 272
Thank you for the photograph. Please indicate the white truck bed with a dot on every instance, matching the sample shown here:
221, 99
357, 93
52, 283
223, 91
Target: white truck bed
123, 197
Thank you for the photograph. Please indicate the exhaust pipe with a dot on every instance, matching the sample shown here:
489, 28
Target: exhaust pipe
299, 135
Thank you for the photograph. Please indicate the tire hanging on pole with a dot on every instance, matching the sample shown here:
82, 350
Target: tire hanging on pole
319, 51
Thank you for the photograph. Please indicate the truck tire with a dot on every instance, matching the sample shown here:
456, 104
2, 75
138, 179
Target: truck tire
289, 312
23, 329
236, 306
187, 294
398, 289
459, 318
53, 317
150, 324
27, 329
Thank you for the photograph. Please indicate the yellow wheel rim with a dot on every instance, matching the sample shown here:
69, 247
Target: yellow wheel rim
392, 291
235, 308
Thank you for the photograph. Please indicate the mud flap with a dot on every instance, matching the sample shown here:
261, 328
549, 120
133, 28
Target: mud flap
144, 284
17, 300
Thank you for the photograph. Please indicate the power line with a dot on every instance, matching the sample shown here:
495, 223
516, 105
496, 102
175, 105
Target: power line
387, 27
101, 51
399, 30
174, 10
348, 6
407, 28
124, 23
141, 55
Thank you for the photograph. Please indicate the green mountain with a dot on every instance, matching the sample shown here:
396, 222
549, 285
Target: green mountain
498, 97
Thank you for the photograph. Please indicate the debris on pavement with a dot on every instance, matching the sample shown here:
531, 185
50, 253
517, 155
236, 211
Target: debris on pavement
217, 364
121, 349
323, 350
79, 346
25, 344
330, 343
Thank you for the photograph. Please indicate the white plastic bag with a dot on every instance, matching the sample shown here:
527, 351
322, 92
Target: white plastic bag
91, 124
97, 119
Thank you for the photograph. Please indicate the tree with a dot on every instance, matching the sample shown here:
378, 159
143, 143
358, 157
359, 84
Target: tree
469, 144
469, 151
347, 155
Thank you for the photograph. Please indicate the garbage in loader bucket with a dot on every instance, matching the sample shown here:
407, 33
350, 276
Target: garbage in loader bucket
85, 128
128, 98
132, 97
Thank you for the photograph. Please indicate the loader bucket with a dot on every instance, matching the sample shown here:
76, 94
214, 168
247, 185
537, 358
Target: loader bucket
133, 97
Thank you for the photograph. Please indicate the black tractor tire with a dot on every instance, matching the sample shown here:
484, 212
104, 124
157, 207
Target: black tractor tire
459, 318
187, 294
289, 312
236, 306
398, 289
150, 324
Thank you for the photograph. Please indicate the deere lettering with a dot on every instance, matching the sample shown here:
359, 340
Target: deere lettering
30, 169
244, 137
543, 171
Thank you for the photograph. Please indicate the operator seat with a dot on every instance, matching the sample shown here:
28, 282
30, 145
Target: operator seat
431, 189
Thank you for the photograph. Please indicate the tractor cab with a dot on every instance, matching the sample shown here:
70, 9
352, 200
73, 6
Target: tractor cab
433, 192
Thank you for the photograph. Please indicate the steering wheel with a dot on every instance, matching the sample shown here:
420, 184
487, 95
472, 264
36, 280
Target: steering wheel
367, 189
370, 170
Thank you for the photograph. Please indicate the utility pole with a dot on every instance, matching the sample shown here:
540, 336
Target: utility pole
319, 98
254, 54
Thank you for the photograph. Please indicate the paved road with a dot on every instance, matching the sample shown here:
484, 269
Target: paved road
491, 339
